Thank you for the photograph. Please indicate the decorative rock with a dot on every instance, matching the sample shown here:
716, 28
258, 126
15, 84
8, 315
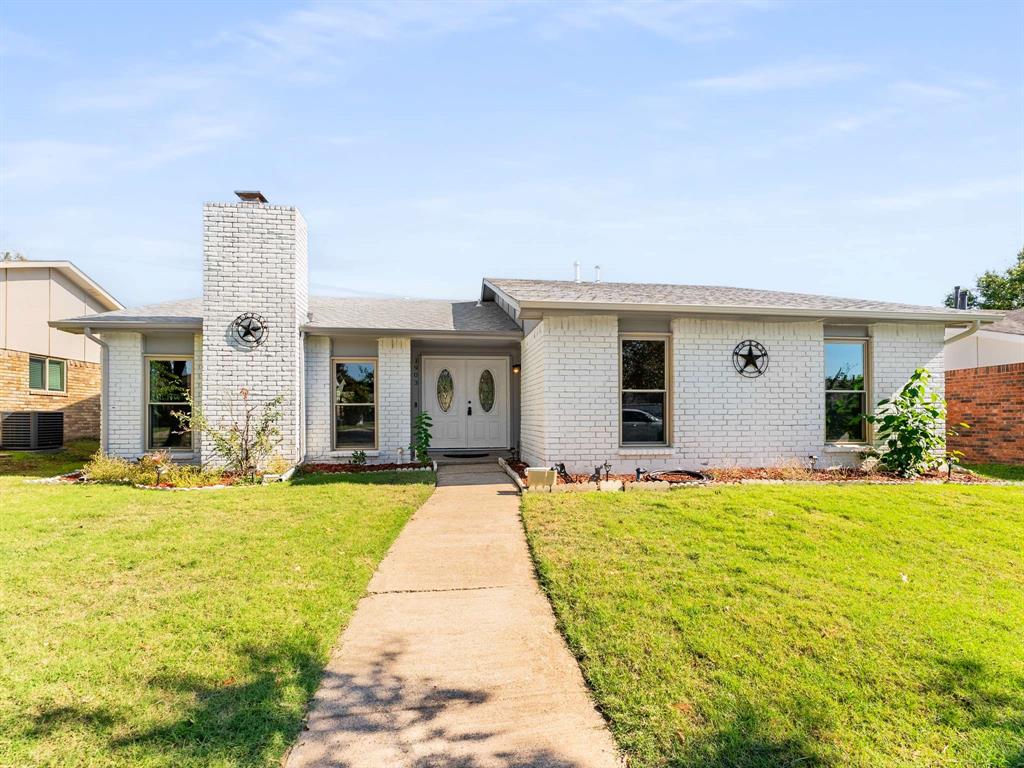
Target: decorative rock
610, 485
651, 485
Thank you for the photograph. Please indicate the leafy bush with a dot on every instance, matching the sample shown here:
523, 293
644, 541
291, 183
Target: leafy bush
113, 469
247, 441
191, 476
152, 469
910, 426
359, 458
278, 464
421, 437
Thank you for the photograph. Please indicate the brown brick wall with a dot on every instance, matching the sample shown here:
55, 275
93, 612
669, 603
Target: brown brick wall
81, 402
991, 400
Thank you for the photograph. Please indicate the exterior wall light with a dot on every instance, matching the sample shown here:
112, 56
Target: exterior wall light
516, 368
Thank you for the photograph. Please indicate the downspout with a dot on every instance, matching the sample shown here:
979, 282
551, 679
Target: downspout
104, 384
302, 398
964, 334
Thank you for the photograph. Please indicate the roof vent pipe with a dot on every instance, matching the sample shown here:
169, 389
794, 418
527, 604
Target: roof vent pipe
576, 266
597, 273
960, 298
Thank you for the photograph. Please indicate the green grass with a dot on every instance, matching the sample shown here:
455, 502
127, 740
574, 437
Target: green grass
999, 471
795, 626
47, 463
148, 628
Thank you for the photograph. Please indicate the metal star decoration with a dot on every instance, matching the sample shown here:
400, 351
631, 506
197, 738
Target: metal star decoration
750, 359
251, 329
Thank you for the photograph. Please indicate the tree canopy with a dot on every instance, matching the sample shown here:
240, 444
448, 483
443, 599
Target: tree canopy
995, 290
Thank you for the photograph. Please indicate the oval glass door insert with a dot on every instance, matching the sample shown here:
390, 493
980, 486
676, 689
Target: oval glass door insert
445, 390
486, 390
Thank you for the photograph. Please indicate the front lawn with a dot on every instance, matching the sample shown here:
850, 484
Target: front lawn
794, 625
1011, 472
155, 628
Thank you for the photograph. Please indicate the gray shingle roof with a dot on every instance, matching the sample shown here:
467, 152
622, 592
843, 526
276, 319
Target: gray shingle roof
1012, 323
333, 313
409, 314
712, 296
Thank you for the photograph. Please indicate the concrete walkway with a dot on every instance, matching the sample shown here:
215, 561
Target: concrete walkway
453, 658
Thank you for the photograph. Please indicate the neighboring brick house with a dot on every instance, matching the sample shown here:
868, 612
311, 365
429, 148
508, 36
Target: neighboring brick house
985, 389
565, 371
43, 369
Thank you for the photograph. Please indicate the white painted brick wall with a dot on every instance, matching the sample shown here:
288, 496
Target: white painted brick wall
723, 418
394, 393
254, 260
124, 416
570, 392
532, 422
319, 398
898, 349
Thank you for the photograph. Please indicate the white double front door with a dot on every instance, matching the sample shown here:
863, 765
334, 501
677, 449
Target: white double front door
467, 399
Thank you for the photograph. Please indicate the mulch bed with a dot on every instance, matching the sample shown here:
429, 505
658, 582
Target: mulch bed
780, 474
344, 468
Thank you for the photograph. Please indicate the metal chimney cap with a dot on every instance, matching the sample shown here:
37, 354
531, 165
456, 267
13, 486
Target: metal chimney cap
253, 196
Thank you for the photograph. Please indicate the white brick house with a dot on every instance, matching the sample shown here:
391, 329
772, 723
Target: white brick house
575, 372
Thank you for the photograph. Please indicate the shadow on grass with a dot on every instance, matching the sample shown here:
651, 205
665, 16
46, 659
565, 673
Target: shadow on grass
365, 478
250, 722
747, 741
972, 697
72, 456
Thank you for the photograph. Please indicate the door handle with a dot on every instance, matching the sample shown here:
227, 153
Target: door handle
469, 410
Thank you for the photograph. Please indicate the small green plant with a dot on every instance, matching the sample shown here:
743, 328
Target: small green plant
278, 464
248, 439
421, 437
910, 427
359, 458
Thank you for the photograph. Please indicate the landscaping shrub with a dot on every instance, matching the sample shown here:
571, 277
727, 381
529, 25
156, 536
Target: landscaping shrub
191, 476
152, 469
910, 427
113, 469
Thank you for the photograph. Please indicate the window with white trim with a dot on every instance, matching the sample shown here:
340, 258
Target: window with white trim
643, 391
168, 389
845, 390
355, 404
47, 374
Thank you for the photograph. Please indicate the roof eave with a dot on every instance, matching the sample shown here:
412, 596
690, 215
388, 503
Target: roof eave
78, 326
78, 277
486, 285
323, 330
535, 309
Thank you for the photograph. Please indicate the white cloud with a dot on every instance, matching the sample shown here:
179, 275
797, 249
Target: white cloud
318, 30
692, 20
186, 135
16, 45
925, 91
133, 92
45, 162
965, 191
787, 76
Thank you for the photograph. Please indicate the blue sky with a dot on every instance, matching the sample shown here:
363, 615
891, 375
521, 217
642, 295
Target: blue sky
866, 149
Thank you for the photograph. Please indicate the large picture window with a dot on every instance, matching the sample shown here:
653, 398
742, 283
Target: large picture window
644, 391
845, 390
47, 374
355, 404
169, 386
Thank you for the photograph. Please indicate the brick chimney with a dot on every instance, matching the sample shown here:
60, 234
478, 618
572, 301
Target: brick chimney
255, 298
